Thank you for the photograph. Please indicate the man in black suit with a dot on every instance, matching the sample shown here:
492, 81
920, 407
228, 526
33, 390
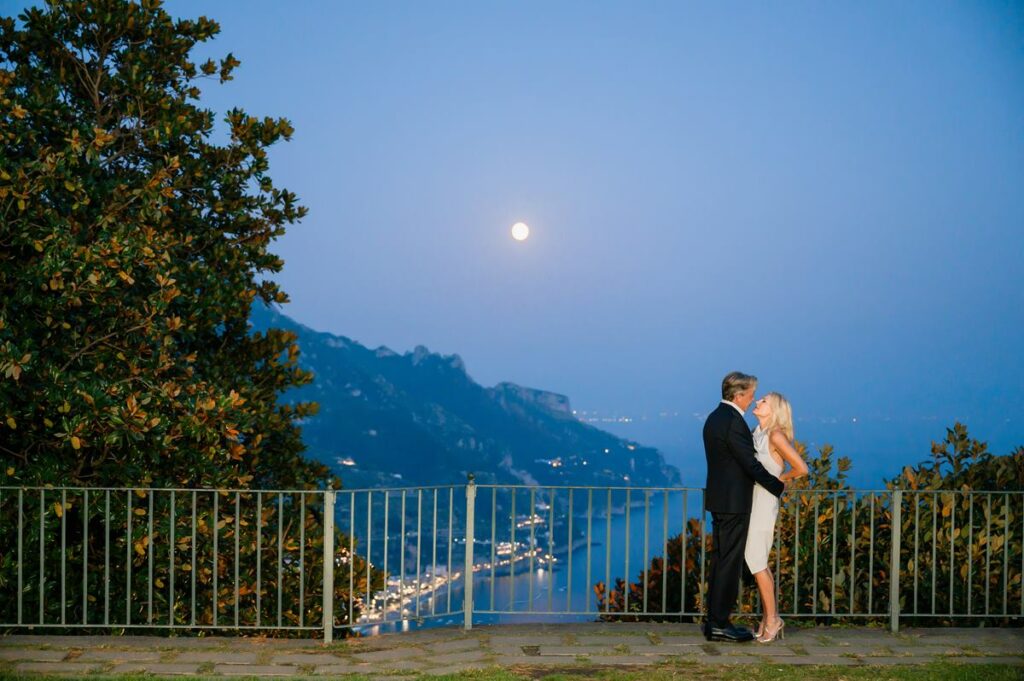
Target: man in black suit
733, 469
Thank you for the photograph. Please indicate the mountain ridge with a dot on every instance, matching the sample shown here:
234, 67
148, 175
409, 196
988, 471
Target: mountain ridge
390, 419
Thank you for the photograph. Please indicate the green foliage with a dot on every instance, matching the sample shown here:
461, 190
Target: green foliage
131, 251
960, 542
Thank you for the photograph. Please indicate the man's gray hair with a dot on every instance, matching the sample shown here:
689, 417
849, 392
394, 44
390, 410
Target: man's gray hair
735, 383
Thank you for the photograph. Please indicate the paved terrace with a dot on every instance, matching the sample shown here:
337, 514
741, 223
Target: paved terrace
530, 648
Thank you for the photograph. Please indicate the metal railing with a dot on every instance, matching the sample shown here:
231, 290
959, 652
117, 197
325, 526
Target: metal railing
314, 560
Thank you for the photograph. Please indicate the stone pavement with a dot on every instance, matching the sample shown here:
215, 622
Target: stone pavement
555, 647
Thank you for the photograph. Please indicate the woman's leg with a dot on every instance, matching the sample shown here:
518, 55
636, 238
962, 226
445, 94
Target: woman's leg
766, 587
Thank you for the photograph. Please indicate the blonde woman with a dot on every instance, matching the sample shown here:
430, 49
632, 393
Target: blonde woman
773, 443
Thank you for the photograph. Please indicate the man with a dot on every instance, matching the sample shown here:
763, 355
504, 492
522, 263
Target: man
733, 469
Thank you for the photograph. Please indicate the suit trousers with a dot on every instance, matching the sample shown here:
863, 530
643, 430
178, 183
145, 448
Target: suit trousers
728, 540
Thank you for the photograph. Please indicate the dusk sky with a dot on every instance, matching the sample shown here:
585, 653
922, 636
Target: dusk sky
827, 195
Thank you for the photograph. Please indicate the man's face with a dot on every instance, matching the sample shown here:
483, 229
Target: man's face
745, 399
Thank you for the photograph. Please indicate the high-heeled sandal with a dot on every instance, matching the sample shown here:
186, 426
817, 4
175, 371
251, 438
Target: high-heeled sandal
768, 636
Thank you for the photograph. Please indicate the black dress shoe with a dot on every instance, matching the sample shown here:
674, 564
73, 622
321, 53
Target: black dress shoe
732, 634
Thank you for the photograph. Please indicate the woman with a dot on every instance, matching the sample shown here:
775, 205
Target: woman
773, 441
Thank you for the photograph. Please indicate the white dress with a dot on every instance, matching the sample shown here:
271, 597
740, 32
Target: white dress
763, 510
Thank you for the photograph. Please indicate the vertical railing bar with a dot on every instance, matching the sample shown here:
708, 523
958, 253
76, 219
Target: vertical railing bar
646, 547
401, 564
63, 554
629, 529
608, 553
682, 558
193, 570
494, 522
1006, 553
988, 549
917, 525
238, 529
280, 558
970, 549
149, 559
512, 553
935, 547
352, 556
419, 532
21, 553
259, 559
835, 531
814, 579
778, 571
664, 559
703, 548
106, 558
551, 547
42, 552
952, 545
302, 559
433, 557
369, 547
568, 548
216, 558
467, 562
853, 552
85, 556
533, 539
896, 531
387, 497
128, 561
329, 558
171, 552
451, 509
796, 555
590, 527
871, 556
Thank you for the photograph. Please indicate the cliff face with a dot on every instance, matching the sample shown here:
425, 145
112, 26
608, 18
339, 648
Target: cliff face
390, 419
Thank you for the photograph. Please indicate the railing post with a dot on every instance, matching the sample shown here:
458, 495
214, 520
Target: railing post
894, 561
467, 604
328, 606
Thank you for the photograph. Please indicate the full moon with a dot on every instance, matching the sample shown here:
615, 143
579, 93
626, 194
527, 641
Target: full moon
520, 231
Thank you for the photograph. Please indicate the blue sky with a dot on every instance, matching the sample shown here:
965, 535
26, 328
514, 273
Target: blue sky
827, 195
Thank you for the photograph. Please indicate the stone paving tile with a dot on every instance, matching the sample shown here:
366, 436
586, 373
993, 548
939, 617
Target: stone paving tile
650, 649
33, 655
886, 660
609, 640
576, 650
803, 660
533, 661
335, 669
680, 639
55, 667
155, 668
403, 665
529, 640
452, 646
219, 658
254, 670
458, 658
388, 655
453, 669
119, 655
616, 660
305, 658
1016, 661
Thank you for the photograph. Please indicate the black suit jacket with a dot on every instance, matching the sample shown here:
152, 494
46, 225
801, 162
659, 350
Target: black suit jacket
733, 467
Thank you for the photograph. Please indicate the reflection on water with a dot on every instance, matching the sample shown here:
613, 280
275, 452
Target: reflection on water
561, 588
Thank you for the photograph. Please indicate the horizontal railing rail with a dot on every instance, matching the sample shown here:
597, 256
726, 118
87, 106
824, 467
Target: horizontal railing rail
313, 560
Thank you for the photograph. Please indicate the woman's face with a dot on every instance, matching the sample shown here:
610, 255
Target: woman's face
763, 408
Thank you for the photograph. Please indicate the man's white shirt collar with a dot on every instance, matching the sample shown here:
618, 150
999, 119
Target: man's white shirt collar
734, 406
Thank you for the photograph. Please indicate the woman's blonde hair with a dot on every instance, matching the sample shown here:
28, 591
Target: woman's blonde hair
782, 415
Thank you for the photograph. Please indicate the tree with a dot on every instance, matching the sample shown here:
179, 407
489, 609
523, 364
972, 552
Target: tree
131, 251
